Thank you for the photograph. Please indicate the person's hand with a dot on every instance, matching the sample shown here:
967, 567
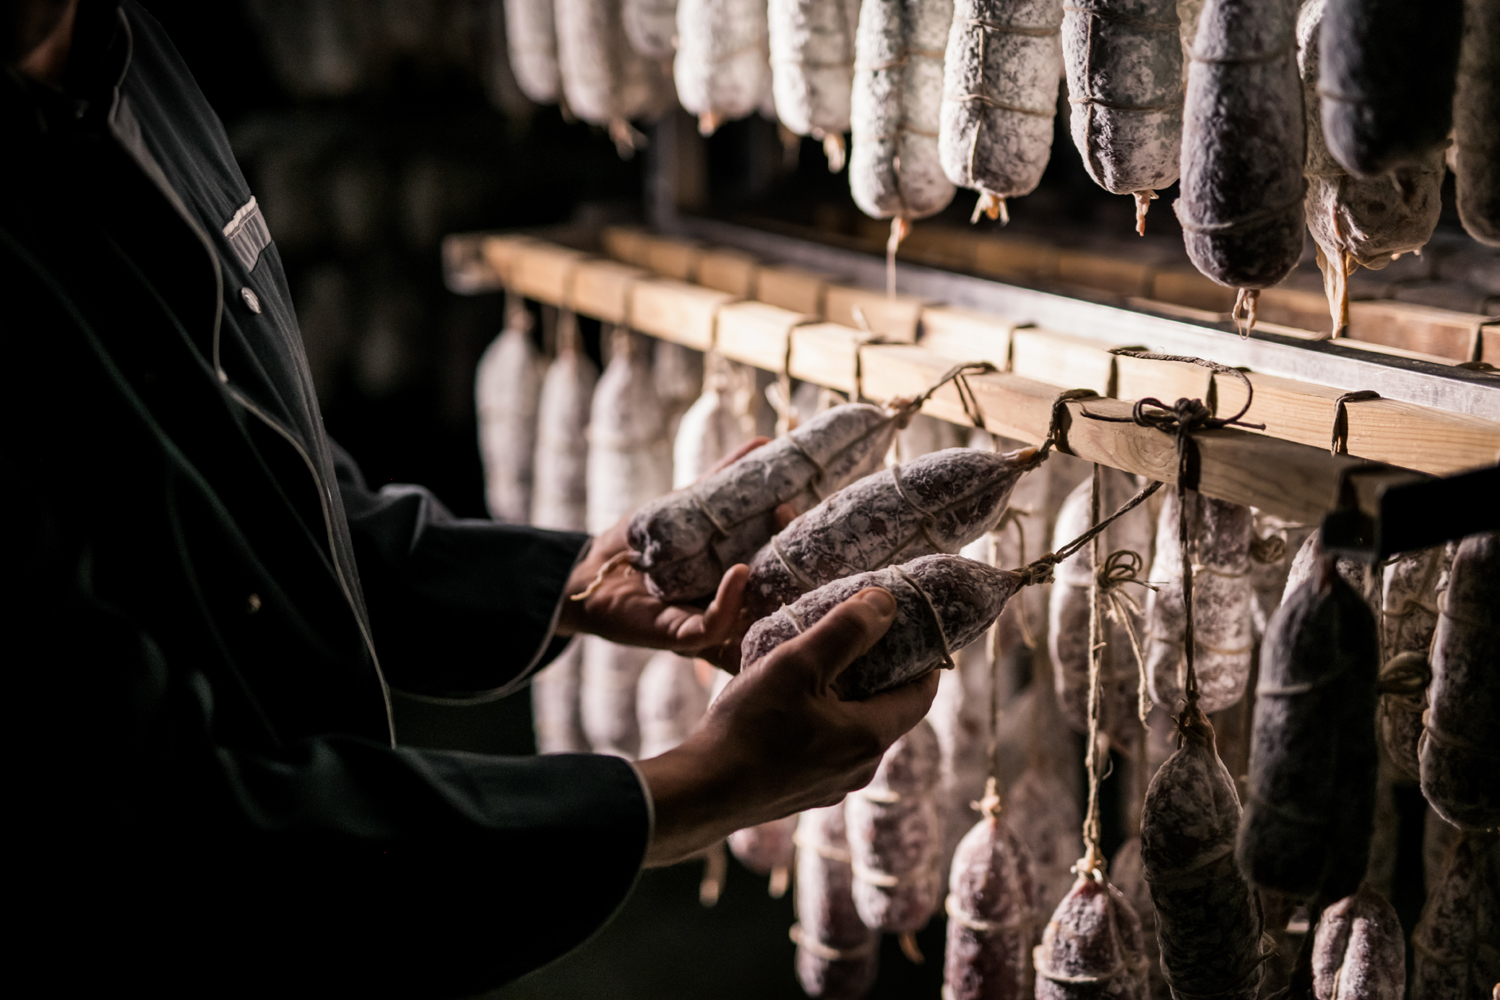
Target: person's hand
622, 609
779, 740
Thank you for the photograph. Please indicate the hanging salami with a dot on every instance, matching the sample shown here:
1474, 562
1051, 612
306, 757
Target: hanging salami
936, 503
1208, 919
1092, 947
687, 540
1000, 82
837, 954
895, 837
507, 384
812, 69
1460, 744
1307, 821
1124, 65
993, 921
1410, 593
1358, 950
1453, 946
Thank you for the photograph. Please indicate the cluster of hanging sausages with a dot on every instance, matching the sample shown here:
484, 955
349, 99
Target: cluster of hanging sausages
1397, 660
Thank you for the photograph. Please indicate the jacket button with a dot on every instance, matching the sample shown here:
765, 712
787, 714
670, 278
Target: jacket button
251, 299
252, 604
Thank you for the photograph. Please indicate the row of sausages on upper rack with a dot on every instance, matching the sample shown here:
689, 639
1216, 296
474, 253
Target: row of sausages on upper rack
824, 333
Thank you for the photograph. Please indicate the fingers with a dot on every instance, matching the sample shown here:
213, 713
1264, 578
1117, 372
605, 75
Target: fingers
694, 630
845, 633
891, 713
736, 455
785, 514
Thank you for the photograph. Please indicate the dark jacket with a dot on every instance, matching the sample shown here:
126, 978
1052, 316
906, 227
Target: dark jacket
203, 605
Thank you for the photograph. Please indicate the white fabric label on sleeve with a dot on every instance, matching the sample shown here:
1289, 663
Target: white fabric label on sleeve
247, 234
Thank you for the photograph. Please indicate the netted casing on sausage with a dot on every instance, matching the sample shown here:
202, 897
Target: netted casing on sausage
722, 67
1000, 82
1068, 614
1359, 952
688, 539
1454, 951
836, 953
894, 166
993, 921
1460, 745
1208, 919
1476, 108
531, 42
1243, 144
1092, 948
507, 384
895, 836
1386, 80
943, 603
1219, 536
812, 66
1124, 66
1313, 756
939, 502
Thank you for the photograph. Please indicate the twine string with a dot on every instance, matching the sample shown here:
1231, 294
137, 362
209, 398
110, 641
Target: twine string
1340, 443
1093, 856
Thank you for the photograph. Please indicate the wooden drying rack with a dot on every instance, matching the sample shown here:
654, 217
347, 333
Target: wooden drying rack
776, 317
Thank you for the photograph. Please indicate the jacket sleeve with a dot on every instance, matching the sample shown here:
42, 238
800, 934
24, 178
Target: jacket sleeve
352, 867
461, 609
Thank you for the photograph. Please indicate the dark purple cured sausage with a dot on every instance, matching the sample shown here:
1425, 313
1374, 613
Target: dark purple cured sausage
943, 603
1359, 952
1311, 800
939, 502
993, 922
1453, 945
895, 837
836, 952
1460, 747
1208, 919
686, 540
1093, 948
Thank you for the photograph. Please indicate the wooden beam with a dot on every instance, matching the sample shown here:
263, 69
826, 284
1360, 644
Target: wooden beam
824, 353
673, 258
1168, 381
676, 311
1419, 437
501, 253
791, 288
1014, 259
626, 244
601, 289
1063, 360
1121, 275
964, 333
729, 271
893, 318
757, 334
544, 271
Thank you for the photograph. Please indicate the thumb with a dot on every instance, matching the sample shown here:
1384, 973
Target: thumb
844, 634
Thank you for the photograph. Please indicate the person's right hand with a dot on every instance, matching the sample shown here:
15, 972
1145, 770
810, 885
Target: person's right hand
779, 739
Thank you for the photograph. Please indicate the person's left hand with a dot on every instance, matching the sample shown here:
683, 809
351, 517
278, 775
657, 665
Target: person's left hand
622, 609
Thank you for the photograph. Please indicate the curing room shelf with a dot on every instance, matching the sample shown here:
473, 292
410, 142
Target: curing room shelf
1042, 344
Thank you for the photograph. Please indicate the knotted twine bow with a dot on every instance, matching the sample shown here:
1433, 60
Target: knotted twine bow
1183, 419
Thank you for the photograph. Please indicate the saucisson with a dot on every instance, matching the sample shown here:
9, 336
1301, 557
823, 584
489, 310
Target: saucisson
1124, 65
722, 64
686, 541
1307, 822
1453, 945
936, 503
1476, 108
895, 171
1092, 947
812, 69
837, 954
531, 42
1243, 145
1358, 950
506, 389
1460, 745
993, 922
1000, 82
943, 603
895, 837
